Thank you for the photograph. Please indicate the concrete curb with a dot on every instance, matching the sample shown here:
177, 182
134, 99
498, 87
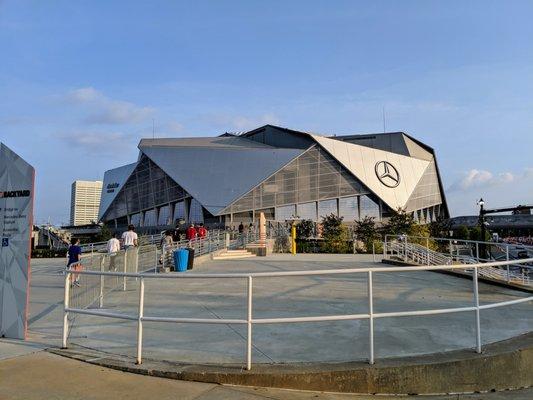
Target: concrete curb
502, 366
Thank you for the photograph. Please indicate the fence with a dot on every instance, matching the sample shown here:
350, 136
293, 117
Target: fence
248, 319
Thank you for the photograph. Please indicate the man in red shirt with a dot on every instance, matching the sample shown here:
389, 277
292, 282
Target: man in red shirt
190, 233
201, 231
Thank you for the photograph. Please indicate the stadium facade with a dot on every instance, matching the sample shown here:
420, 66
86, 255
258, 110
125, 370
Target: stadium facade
284, 173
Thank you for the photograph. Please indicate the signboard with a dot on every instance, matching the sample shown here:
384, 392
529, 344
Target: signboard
16, 222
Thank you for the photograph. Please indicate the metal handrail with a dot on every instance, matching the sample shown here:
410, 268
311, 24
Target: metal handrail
250, 321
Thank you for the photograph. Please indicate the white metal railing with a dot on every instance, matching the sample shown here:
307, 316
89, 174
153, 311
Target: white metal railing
409, 248
249, 321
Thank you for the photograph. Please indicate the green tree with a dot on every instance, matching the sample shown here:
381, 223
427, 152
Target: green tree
335, 234
400, 223
461, 233
475, 234
440, 228
366, 231
104, 234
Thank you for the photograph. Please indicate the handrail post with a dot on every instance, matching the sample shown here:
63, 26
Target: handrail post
370, 320
507, 258
65, 308
125, 269
476, 302
373, 251
477, 251
427, 250
140, 322
101, 300
385, 247
249, 325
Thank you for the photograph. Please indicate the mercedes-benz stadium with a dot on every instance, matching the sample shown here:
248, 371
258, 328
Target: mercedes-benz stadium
284, 173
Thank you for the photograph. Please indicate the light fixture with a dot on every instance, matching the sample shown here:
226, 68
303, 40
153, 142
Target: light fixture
481, 202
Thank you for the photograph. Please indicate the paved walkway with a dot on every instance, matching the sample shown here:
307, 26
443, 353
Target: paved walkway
26, 372
41, 375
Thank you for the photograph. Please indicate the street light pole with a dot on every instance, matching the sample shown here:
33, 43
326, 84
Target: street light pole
481, 204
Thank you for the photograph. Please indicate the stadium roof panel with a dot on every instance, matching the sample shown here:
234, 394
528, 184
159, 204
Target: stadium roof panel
216, 176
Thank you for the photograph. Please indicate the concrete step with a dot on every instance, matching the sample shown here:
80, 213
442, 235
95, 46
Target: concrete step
233, 254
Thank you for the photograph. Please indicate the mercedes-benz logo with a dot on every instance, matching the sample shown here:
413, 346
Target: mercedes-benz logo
387, 174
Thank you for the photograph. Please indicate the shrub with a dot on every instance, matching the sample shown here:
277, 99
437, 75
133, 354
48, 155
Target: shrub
305, 229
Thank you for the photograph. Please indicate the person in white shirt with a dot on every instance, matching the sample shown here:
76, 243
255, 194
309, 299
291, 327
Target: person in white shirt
129, 238
113, 247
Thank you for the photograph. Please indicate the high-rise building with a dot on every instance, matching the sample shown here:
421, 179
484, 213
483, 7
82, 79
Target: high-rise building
85, 202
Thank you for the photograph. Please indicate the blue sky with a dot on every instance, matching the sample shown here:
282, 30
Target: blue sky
82, 81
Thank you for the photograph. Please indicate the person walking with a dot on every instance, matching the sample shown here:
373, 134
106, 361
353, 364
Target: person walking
74, 259
130, 238
113, 247
241, 228
166, 247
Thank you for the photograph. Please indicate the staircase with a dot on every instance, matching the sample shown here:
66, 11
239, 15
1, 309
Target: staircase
233, 255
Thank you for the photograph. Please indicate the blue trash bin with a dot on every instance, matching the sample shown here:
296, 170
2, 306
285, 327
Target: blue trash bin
181, 258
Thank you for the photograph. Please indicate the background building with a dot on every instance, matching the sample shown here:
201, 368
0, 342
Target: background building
284, 173
85, 202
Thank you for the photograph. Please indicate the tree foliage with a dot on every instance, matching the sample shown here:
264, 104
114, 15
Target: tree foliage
305, 229
400, 223
104, 235
440, 228
366, 231
335, 234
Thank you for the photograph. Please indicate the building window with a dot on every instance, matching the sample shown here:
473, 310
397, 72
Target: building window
286, 212
196, 214
349, 209
307, 211
164, 216
369, 208
327, 207
179, 211
149, 218
136, 219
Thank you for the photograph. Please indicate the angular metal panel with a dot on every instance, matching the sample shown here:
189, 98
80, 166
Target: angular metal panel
370, 167
114, 179
216, 176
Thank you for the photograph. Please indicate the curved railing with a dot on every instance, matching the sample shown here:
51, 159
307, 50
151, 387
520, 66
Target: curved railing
249, 321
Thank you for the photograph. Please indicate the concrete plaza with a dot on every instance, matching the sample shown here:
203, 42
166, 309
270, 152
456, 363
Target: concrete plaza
282, 297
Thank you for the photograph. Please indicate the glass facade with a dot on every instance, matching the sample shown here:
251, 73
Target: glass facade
164, 216
349, 208
327, 207
150, 218
147, 187
427, 191
196, 214
180, 211
369, 208
285, 212
307, 211
313, 176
